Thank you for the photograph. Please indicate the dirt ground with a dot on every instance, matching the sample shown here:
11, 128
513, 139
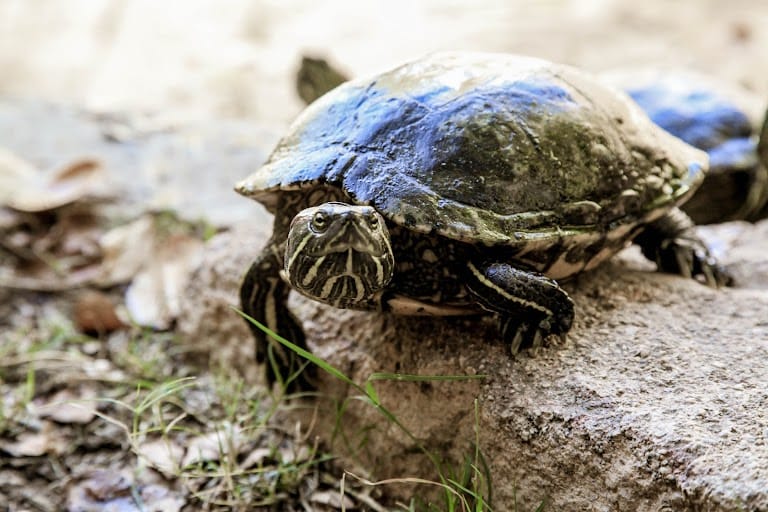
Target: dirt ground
104, 417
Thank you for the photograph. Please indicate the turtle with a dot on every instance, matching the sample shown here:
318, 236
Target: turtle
697, 108
716, 118
315, 77
465, 183
762, 155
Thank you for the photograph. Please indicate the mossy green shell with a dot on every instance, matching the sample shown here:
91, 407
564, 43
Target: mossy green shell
485, 148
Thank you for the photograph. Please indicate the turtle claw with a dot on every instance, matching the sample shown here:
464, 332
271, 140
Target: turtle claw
684, 260
691, 259
524, 335
672, 242
538, 339
715, 276
517, 341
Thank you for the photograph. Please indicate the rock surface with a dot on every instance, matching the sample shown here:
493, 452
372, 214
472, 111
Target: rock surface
657, 401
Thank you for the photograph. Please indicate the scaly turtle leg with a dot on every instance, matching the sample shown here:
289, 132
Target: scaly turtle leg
673, 244
263, 296
530, 306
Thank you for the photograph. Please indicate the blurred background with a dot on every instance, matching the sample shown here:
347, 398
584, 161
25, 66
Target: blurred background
197, 59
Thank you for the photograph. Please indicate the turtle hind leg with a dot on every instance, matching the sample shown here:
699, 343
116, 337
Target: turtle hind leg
673, 244
263, 297
530, 306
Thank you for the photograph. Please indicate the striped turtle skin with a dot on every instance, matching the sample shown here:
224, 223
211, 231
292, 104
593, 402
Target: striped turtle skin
465, 183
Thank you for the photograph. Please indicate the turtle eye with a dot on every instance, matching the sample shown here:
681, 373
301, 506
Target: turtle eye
373, 221
319, 222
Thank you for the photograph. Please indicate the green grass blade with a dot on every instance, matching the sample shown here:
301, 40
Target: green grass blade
371, 392
300, 351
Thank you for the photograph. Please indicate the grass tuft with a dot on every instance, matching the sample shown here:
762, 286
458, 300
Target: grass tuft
468, 489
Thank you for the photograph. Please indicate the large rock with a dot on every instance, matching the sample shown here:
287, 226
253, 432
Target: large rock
657, 401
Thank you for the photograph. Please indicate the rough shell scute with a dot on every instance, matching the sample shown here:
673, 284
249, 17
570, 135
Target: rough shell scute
486, 148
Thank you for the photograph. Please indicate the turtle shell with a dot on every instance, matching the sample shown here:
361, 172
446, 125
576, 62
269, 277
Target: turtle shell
715, 117
485, 148
762, 146
762, 154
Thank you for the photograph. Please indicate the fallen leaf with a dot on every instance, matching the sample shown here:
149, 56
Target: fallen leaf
125, 249
294, 454
106, 484
101, 259
52, 251
255, 458
332, 499
116, 491
49, 440
153, 298
94, 313
38, 277
214, 445
81, 235
162, 454
83, 179
155, 498
69, 407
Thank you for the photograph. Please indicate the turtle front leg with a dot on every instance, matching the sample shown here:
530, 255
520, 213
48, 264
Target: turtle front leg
673, 244
530, 305
263, 297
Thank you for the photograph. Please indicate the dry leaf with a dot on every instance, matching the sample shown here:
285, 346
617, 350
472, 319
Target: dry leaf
80, 236
94, 313
68, 407
39, 277
115, 491
255, 458
294, 454
156, 498
153, 298
213, 446
125, 249
49, 440
107, 259
106, 484
332, 499
33, 191
162, 454
54, 251
58, 247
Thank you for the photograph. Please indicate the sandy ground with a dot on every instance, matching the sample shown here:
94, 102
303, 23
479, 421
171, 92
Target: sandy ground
236, 58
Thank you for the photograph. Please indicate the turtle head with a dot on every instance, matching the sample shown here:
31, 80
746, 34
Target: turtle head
339, 254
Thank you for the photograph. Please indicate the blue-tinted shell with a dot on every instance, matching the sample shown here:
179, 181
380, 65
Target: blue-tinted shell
701, 116
487, 148
706, 115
